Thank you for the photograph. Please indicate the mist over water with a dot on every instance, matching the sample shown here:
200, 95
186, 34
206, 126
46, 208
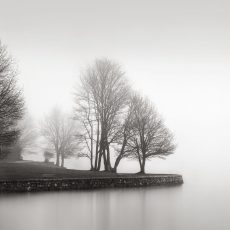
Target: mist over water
194, 205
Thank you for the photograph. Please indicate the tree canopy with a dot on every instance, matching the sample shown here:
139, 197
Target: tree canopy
11, 100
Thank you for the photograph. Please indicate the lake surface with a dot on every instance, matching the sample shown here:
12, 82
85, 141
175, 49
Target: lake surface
195, 205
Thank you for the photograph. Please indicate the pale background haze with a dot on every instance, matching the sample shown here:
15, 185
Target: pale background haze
175, 52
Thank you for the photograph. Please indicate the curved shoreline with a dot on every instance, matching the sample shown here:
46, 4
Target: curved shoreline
61, 184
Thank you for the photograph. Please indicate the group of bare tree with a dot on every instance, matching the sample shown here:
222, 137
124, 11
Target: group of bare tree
115, 120
60, 132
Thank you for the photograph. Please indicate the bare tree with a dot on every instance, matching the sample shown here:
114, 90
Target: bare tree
100, 100
60, 132
69, 142
150, 137
11, 100
86, 114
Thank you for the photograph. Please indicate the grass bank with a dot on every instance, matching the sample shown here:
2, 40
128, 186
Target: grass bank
35, 176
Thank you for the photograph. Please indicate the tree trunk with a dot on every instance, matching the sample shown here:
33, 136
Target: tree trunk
91, 150
62, 160
98, 166
97, 147
96, 161
108, 158
57, 159
102, 154
117, 163
105, 160
91, 163
120, 155
101, 150
142, 166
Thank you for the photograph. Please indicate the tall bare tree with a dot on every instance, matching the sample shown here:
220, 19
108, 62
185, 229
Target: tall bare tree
86, 114
60, 132
11, 100
150, 137
100, 99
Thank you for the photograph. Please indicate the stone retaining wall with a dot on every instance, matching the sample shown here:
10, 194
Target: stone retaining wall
88, 183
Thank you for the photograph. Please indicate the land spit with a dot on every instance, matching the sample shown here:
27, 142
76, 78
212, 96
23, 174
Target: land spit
32, 177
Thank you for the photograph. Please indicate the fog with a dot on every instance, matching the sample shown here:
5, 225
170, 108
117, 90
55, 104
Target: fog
175, 52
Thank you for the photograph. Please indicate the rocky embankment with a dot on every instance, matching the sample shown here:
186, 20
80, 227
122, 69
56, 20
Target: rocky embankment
58, 184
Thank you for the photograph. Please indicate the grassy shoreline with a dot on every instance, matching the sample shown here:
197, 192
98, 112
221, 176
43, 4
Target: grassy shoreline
37, 176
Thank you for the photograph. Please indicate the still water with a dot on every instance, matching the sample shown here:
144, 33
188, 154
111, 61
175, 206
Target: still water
194, 205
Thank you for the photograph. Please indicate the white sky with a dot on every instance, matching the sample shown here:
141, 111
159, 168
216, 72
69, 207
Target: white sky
175, 52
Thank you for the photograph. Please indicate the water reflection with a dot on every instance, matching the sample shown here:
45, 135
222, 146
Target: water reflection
191, 206
101, 209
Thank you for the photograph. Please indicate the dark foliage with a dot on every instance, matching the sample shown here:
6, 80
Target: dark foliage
11, 100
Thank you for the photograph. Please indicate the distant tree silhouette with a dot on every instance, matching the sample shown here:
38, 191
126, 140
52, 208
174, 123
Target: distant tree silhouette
11, 100
60, 132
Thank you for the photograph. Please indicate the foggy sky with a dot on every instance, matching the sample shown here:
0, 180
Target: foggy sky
175, 52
